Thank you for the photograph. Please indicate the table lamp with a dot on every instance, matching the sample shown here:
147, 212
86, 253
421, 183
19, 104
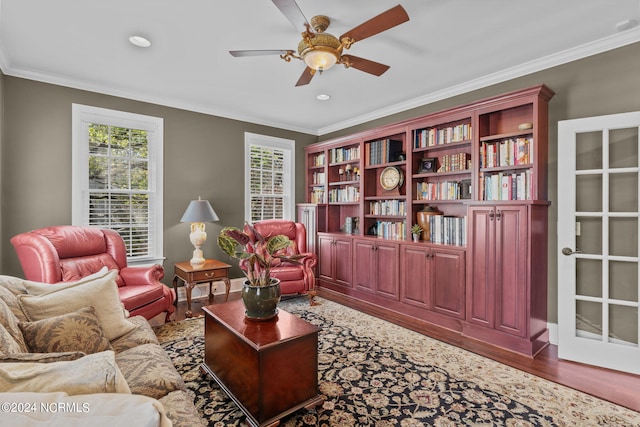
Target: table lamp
197, 213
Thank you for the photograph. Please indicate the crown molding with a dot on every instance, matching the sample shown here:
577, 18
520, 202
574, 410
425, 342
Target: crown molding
543, 63
605, 44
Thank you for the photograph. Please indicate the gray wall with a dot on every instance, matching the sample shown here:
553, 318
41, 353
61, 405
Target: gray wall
203, 156
36, 149
607, 83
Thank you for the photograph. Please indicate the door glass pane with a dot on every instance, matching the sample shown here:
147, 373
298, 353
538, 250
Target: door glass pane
589, 319
589, 150
589, 193
590, 239
623, 148
589, 277
623, 236
623, 280
623, 192
623, 324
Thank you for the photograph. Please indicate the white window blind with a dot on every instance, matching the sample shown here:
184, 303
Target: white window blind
118, 178
269, 182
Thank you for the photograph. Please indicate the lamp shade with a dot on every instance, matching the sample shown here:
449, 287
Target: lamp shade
199, 211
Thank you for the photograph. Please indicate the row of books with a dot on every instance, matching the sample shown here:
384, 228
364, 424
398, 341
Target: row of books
317, 160
391, 229
438, 136
508, 152
348, 194
337, 155
448, 230
455, 162
388, 207
382, 151
507, 186
444, 190
317, 195
318, 178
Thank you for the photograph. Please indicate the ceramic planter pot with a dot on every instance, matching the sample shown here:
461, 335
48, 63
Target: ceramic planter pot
261, 302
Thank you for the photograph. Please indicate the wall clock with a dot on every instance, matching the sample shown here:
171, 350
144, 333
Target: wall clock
391, 177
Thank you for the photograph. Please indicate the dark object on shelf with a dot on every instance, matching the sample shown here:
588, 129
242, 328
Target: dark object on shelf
373, 230
466, 189
401, 157
428, 165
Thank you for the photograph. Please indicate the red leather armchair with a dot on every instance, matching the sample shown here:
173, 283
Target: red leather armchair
294, 278
67, 253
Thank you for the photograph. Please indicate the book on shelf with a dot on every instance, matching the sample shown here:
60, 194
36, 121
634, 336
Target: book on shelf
318, 178
395, 230
348, 194
506, 152
317, 160
443, 190
383, 151
388, 207
344, 154
455, 162
442, 135
317, 195
507, 186
448, 230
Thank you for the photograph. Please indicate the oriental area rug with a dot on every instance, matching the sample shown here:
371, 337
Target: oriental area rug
375, 373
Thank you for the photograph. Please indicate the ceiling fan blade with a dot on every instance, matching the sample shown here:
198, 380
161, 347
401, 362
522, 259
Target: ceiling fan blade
366, 65
257, 52
306, 77
389, 19
292, 12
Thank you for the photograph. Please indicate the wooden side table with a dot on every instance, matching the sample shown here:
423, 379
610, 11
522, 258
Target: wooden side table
211, 271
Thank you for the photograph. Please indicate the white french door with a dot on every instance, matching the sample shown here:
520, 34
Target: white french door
598, 245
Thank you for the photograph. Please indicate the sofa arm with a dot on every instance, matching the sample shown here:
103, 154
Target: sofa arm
142, 275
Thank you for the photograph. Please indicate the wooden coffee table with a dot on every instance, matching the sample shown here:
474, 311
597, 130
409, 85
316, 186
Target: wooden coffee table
268, 368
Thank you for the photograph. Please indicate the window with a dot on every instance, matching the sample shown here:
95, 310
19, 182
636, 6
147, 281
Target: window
117, 177
269, 177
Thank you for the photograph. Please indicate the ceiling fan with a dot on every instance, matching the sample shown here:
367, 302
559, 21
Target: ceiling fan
321, 51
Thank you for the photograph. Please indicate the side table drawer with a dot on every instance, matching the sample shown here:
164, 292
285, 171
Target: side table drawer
198, 276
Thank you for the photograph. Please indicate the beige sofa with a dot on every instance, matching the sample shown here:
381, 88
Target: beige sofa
73, 346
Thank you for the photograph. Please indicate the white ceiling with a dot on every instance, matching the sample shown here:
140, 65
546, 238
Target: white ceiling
448, 47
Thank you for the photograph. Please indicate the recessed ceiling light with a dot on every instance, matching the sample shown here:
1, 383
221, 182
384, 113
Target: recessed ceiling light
139, 41
323, 97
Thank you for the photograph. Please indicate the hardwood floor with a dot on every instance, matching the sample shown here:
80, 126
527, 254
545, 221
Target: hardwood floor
617, 387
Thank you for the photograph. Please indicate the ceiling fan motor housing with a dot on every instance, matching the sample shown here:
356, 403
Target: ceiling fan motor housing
314, 49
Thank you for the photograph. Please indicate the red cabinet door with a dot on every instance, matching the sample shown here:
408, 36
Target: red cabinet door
481, 267
364, 265
342, 261
325, 258
448, 282
386, 271
511, 269
416, 276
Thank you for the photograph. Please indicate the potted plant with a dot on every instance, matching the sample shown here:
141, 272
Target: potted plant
416, 229
256, 255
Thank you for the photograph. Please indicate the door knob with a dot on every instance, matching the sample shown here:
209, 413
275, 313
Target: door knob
568, 251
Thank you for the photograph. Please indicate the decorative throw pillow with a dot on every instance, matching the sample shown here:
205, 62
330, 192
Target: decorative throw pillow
100, 293
77, 331
7, 343
41, 357
38, 288
94, 373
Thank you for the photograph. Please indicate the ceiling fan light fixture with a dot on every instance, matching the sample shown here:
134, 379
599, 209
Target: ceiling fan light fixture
320, 59
320, 52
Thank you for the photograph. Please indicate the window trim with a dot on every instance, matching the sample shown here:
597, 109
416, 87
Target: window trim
82, 116
289, 147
